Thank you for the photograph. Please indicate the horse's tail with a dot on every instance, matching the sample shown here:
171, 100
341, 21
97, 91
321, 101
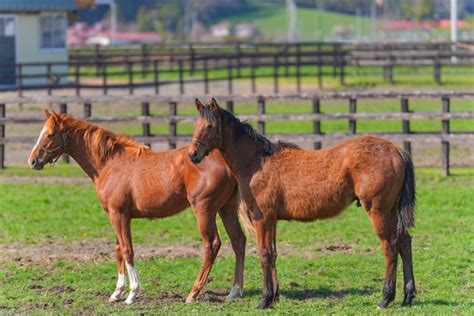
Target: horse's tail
246, 218
406, 204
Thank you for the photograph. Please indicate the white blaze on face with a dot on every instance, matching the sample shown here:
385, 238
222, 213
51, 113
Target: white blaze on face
43, 131
134, 283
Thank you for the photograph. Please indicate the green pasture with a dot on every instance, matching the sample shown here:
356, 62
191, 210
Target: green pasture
355, 76
331, 266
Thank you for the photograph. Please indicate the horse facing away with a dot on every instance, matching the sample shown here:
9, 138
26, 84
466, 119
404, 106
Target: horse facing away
134, 182
281, 181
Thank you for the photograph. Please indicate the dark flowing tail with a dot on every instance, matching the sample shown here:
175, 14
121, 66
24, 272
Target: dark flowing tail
406, 205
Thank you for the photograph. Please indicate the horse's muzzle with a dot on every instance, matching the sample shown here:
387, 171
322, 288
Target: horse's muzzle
195, 157
35, 164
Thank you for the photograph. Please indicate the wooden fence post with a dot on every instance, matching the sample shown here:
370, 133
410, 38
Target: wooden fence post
252, 74
156, 76
229, 106
238, 53
341, 62
87, 110
261, 111
298, 69
104, 78
405, 124
316, 122
181, 78
352, 109
130, 77
2, 136
20, 80
172, 125
77, 75
320, 65
437, 69
143, 55
229, 75
146, 126
445, 143
48, 71
275, 74
63, 109
206, 76
97, 59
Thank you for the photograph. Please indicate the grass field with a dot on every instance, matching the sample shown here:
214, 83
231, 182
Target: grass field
332, 266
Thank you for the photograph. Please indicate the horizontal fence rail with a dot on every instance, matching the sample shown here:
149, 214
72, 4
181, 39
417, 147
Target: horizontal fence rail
172, 118
155, 66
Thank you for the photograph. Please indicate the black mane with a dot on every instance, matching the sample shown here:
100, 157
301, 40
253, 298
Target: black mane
244, 128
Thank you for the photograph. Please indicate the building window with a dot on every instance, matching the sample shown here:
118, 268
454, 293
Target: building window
53, 31
7, 26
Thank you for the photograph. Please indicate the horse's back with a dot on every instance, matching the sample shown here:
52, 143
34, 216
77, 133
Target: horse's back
319, 184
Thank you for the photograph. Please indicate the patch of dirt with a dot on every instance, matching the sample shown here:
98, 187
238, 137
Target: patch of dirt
47, 180
59, 289
99, 249
336, 248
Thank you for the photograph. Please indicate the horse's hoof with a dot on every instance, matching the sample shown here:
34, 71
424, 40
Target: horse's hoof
236, 292
407, 300
114, 299
265, 303
190, 300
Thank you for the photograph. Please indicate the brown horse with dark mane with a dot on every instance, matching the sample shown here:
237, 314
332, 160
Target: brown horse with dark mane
281, 181
134, 182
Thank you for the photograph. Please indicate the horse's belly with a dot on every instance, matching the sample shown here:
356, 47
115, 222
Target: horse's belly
310, 210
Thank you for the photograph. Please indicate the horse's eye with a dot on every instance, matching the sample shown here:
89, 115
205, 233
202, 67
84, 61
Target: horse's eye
209, 126
51, 135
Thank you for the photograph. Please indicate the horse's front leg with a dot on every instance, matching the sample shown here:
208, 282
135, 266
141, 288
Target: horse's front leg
120, 287
206, 219
121, 223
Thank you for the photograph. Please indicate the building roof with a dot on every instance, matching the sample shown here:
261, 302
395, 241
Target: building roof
37, 5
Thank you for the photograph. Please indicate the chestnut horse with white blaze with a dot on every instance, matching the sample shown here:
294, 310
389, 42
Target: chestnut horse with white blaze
280, 181
134, 182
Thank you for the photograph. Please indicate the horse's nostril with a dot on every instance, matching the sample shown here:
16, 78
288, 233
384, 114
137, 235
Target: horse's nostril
33, 162
194, 154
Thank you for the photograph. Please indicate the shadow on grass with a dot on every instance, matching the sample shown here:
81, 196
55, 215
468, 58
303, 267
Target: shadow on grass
323, 292
434, 303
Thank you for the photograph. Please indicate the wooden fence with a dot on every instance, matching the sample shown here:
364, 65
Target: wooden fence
157, 66
405, 116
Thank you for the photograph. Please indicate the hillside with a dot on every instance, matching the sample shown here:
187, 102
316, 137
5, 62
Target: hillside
312, 24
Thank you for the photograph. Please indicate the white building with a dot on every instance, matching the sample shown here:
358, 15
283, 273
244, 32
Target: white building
33, 31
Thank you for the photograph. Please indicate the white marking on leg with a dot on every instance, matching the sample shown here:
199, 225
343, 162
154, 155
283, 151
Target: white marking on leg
236, 292
115, 297
134, 283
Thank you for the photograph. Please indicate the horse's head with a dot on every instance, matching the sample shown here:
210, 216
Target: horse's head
51, 142
207, 131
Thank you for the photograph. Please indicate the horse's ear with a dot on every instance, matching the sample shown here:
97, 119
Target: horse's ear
55, 116
46, 114
214, 106
199, 105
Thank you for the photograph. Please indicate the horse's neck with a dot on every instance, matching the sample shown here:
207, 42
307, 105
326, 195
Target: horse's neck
80, 151
241, 154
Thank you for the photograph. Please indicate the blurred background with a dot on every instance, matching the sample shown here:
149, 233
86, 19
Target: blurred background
272, 20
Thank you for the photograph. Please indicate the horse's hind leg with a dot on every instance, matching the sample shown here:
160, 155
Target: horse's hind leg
119, 289
404, 244
385, 226
207, 226
228, 214
266, 237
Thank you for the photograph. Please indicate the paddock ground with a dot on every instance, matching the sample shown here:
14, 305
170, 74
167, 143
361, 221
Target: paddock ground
56, 254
